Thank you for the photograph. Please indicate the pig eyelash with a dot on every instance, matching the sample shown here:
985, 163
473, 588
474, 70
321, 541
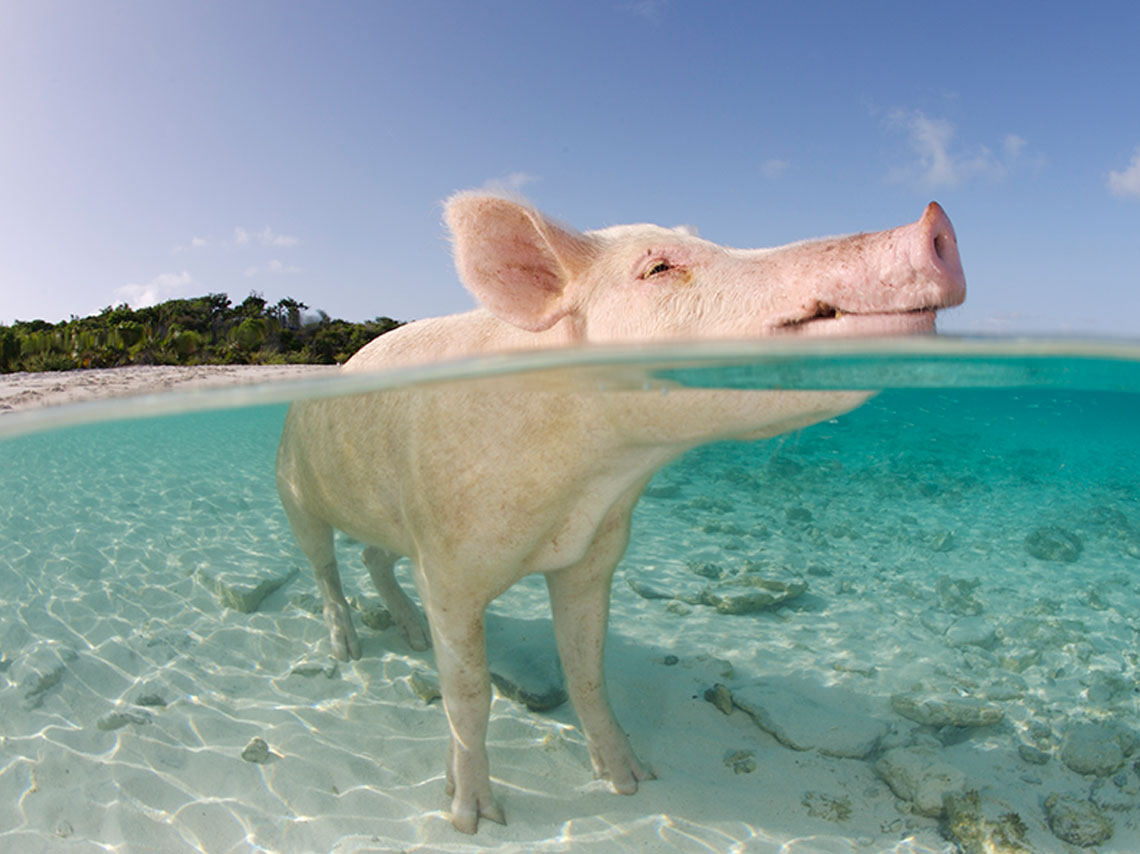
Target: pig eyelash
657, 269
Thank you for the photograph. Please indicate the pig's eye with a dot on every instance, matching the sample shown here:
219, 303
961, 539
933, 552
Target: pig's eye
657, 269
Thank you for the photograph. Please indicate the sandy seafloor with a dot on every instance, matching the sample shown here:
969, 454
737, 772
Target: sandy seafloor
128, 692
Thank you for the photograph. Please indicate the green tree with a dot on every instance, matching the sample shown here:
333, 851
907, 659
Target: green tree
250, 334
9, 350
200, 330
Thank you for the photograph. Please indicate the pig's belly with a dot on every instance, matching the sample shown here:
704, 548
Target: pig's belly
502, 547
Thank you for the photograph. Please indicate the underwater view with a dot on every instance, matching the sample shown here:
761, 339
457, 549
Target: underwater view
912, 627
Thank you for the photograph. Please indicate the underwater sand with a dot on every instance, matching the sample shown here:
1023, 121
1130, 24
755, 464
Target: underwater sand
129, 692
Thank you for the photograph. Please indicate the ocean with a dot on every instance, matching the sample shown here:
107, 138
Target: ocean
912, 627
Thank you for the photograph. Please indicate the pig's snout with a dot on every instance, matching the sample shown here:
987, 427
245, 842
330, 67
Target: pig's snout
937, 256
886, 283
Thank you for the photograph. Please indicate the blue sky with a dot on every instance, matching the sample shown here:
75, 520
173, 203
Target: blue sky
170, 149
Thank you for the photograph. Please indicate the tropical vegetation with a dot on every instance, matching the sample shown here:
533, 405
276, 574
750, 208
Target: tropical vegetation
207, 330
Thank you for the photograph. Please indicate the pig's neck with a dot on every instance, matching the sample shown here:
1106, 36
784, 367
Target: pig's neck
493, 335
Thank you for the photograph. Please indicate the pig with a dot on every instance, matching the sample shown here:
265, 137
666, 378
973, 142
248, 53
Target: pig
481, 485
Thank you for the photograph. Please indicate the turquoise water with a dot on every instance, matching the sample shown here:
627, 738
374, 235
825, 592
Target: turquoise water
970, 534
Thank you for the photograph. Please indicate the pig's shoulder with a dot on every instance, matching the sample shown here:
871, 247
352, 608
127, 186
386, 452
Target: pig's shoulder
439, 339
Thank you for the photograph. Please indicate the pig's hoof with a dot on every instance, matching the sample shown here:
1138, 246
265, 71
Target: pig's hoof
623, 776
410, 620
465, 817
626, 784
342, 634
345, 649
415, 632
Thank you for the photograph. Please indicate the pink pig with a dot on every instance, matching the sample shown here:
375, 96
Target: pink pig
481, 484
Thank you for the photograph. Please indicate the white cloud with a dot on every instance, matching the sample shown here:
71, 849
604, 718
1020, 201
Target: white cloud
774, 168
273, 267
269, 238
941, 162
1014, 145
1126, 183
650, 10
195, 243
158, 289
1007, 321
266, 237
510, 184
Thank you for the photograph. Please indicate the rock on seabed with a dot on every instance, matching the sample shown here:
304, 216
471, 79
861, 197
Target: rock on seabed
41, 669
1092, 749
918, 775
257, 751
524, 662
956, 595
805, 715
968, 825
241, 592
1052, 542
747, 596
972, 631
1078, 822
936, 710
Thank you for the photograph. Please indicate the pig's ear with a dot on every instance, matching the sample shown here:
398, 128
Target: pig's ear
515, 261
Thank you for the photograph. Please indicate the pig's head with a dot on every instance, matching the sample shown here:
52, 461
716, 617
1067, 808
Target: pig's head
647, 283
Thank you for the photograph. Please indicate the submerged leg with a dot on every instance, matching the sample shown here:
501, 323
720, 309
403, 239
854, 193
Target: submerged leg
580, 600
381, 565
315, 537
457, 632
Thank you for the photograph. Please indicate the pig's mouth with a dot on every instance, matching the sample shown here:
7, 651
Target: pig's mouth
826, 319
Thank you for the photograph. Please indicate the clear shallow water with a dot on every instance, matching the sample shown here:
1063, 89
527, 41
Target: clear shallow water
128, 691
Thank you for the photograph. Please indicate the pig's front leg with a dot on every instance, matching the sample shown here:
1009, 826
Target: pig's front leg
457, 633
381, 565
580, 599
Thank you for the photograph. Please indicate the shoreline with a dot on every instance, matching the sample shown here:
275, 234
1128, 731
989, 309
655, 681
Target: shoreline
23, 391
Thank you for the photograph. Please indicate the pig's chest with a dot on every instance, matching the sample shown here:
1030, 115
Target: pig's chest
593, 527
569, 539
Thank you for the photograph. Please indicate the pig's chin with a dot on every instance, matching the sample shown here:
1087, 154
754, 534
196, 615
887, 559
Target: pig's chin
897, 323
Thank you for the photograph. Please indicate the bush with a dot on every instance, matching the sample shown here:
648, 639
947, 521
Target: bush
202, 330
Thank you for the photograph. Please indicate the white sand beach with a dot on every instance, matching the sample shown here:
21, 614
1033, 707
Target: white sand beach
21, 391
929, 655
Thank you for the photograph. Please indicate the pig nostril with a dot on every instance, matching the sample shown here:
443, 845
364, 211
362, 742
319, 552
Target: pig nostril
939, 245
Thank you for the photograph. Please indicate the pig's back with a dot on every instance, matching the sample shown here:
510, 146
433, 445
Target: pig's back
455, 336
